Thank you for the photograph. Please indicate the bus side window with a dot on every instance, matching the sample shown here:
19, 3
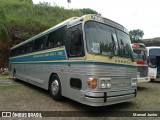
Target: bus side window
76, 43
29, 47
56, 38
21, 50
40, 43
16, 51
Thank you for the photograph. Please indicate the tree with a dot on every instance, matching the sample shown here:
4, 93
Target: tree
88, 11
4, 48
136, 34
4, 40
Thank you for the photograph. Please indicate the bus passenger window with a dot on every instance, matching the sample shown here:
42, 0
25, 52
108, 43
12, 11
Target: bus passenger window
39, 43
56, 38
29, 47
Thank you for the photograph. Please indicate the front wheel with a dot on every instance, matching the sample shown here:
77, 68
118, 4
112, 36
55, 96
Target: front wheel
151, 80
55, 88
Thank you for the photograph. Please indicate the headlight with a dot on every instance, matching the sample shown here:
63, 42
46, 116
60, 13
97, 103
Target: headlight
105, 83
133, 82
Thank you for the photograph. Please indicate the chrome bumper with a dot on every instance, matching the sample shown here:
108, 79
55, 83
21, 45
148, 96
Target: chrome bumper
143, 79
108, 98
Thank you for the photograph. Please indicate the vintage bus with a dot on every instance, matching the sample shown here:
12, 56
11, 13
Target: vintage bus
153, 62
88, 59
140, 53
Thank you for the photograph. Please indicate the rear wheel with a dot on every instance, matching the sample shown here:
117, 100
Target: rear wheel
152, 80
55, 88
14, 76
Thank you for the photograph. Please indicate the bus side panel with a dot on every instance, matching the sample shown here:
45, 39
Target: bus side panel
75, 81
39, 74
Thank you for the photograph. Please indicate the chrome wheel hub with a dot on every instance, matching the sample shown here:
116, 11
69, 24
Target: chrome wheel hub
55, 87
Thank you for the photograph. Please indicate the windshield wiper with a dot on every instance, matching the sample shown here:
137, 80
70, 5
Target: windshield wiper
128, 51
130, 54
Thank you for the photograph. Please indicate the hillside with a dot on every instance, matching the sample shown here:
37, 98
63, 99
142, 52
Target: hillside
149, 42
152, 42
23, 19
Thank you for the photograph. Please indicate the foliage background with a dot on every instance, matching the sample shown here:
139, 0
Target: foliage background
21, 19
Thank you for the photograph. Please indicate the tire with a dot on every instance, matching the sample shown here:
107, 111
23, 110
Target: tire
15, 76
151, 80
55, 88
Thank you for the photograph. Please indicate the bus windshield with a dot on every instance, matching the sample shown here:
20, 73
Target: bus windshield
140, 55
152, 61
106, 40
154, 52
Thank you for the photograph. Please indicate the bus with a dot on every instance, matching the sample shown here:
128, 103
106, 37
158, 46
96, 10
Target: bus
140, 53
88, 59
153, 62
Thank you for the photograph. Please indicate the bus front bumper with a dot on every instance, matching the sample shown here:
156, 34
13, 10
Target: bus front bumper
108, 98
143, 79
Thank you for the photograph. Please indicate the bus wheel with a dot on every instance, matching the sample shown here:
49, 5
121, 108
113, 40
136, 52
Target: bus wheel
55, 88
14, 76
151, 80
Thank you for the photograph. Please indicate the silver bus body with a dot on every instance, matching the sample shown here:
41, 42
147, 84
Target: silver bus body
77, 74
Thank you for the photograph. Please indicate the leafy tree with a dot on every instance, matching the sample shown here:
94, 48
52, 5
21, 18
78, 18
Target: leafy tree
88, 11
4, 40
20, 20
136, 34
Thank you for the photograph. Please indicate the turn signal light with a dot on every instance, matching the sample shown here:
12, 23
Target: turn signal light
92, 83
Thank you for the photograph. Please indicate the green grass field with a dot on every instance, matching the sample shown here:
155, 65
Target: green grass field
2, 77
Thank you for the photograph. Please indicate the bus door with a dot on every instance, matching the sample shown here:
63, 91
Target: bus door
152, 67
75, 51
158, 66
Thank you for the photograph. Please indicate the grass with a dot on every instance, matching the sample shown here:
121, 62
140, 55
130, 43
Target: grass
5, 88
2, 77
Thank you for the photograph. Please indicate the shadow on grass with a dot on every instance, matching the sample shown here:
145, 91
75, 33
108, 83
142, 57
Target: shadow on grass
102, 111
89, 110
156, 81
140, 88
33, 87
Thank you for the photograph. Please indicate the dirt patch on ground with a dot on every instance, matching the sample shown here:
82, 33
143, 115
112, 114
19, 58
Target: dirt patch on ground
8, 82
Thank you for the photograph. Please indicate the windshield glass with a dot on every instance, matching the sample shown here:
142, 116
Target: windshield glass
154, 52
106, 40
140, 55
152, 61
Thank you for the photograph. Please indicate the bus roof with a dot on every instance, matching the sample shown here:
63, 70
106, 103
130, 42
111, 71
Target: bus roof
73, 20
152, 47
139, 46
